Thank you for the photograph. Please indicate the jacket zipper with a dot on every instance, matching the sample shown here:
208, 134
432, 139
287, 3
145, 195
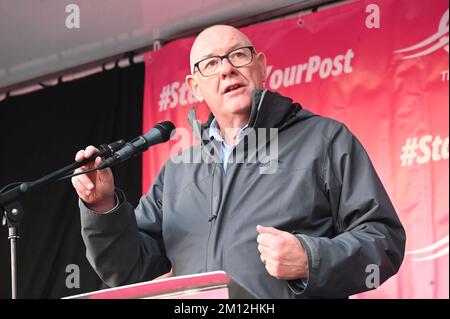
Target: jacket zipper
211, 218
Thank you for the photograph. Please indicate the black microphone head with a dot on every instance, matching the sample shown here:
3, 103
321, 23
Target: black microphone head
160, 133
166, 128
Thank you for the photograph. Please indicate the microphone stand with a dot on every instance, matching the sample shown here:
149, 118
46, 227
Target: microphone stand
13, 211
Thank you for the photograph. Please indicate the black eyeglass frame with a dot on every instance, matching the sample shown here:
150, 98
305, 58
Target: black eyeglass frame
225, 56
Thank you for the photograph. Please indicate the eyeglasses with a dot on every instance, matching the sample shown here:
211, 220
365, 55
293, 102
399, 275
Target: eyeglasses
238, 57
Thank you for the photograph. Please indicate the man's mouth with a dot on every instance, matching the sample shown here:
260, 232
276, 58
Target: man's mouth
232, 88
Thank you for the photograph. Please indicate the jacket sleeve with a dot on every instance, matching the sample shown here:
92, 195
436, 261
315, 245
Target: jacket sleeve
370, 244
120, 251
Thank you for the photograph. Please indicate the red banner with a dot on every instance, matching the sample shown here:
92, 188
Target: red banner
380, 67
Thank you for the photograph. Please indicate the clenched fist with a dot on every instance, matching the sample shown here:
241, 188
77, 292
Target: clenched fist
282, 253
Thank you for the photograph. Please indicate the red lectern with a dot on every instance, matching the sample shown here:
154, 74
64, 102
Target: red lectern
212, 285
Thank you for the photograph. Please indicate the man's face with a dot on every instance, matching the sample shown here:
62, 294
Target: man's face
229, 92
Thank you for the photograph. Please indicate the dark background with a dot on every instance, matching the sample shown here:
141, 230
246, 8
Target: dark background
40, 133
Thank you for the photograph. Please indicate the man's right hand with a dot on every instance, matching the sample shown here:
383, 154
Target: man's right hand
96, 189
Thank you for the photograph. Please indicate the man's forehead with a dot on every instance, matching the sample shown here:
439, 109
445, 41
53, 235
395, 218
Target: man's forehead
216, 40
209, 49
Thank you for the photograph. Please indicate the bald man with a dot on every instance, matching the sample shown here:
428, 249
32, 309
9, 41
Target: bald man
304, 222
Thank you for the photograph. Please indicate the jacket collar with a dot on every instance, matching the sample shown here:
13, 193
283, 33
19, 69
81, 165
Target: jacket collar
269, 110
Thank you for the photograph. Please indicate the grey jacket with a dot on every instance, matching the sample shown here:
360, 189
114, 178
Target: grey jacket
195, 218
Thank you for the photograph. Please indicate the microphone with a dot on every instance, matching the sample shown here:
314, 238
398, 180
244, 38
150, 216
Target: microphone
160, 133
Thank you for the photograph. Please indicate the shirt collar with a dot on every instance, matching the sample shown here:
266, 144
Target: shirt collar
214, 132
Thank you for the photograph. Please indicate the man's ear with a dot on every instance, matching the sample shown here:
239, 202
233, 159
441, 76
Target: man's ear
262, 62
192, 84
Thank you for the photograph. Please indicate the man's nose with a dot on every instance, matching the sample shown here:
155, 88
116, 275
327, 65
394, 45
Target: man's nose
226, 68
